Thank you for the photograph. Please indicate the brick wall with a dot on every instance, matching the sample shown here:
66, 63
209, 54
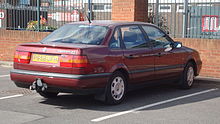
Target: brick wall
209, 53
9, 39
129, 10
141, 10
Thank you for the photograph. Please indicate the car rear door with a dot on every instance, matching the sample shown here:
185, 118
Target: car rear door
169, 61
137, 55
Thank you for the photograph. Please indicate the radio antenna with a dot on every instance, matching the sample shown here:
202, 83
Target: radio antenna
88, 19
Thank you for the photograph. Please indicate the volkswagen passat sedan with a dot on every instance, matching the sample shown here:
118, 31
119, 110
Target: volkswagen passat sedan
103, 58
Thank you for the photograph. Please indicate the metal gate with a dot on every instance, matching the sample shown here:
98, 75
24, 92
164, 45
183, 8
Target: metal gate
186, 18
48, 15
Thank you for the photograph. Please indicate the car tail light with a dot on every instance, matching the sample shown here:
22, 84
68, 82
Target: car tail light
22, 57
73, 61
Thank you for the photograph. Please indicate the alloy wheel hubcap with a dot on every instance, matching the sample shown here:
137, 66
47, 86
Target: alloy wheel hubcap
190, 76
117, 88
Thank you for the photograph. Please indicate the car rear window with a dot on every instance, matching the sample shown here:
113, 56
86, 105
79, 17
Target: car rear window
78, 34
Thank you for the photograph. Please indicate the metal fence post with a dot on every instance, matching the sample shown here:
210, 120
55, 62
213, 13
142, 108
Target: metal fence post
185, 18
157, 13
90, 9
38, 15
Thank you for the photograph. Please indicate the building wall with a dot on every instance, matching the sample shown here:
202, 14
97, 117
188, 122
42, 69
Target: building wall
123, 10
129, 10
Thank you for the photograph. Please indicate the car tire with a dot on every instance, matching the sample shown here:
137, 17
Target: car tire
46, 94
116, 89
187, 78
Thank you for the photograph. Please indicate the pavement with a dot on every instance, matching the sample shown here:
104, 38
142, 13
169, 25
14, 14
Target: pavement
162, 104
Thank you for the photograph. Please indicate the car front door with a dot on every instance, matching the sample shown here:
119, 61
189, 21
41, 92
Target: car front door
169, 61
137, 55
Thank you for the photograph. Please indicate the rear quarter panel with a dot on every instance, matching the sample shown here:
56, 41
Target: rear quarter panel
97, 58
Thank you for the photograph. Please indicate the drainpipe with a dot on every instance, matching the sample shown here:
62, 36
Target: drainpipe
157, 13
185, 19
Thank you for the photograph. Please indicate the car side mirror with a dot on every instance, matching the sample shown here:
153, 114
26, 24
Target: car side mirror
168, 47
177, 45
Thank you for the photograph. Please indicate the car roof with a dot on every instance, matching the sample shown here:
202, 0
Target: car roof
109, 23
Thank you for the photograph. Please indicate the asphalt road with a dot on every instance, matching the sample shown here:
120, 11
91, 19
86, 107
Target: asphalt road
164, 104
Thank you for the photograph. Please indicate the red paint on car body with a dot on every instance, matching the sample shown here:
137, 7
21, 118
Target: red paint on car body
99, 61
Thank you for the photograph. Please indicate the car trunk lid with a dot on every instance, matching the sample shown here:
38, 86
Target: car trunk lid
55, 58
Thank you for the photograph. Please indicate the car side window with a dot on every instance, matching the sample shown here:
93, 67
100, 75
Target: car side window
157, 38
133, 37
115, 40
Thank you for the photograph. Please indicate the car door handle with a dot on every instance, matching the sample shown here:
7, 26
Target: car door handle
159, 54
129, 56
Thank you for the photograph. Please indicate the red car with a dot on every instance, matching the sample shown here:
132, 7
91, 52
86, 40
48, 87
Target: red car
105, 58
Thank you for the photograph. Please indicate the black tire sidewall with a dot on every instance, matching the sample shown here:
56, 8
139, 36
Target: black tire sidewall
183, 82
109, 98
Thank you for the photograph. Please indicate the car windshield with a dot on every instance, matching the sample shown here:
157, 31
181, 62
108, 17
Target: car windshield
78, 34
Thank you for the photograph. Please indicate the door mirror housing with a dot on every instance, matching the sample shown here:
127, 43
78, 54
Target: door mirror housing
168, 49
177, 45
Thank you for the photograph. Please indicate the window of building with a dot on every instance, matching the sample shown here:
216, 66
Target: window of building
180, 8
102, 8
108, 8
98, 7
24, 2
164, 8
205, 5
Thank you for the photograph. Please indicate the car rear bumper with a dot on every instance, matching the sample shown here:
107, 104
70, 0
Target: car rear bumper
58, 81
53, 88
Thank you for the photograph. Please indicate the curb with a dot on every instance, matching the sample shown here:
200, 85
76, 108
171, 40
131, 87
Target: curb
6, 64
208, 78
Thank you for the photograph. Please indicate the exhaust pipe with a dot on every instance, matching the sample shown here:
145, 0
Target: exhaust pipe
44, 87
33, 86
38, 85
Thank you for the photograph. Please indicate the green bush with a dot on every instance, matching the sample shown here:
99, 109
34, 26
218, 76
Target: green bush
33, 26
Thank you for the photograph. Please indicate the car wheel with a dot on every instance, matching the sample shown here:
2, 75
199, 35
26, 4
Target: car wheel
46, 94
187, 78
116, 89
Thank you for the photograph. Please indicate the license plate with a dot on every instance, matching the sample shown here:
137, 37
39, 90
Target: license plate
45, 58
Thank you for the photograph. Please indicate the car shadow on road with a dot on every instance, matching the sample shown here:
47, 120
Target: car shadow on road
141, 97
